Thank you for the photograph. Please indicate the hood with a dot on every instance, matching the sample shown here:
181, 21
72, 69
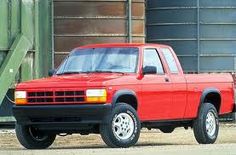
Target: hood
70, 81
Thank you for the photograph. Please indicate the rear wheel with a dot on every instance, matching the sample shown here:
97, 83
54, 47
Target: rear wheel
32, 138
122, 127
206, 126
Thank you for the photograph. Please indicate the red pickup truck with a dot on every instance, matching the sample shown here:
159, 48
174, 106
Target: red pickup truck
117, 89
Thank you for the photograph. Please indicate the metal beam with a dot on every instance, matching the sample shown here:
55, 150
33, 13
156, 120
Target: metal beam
12, 63
52, 35
4, 25
198, 36
27, 28
130, 21
43, 37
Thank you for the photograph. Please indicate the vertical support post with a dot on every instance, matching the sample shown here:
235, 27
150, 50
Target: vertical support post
15, 20
43, 37
37, 72
9, 21
27, 28
4, 44
235, 63
52, 34
130, 21
198, 36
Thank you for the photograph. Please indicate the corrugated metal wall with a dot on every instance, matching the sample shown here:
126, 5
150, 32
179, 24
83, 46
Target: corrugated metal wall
202, 32
80, 22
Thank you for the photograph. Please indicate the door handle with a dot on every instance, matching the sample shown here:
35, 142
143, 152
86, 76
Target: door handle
167, 79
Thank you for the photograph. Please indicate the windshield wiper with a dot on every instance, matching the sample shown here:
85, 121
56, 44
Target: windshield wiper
105, 71
96, 71
67, 73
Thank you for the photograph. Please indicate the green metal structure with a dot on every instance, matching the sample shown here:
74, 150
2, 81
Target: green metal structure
25, 45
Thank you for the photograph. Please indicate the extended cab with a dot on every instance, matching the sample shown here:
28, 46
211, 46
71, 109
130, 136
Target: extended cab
117, 89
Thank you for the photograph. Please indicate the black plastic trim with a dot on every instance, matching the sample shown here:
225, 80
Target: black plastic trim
61, 114
173, 123
123, 92
205, 93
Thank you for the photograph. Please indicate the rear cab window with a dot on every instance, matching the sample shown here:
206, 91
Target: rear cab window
170, 60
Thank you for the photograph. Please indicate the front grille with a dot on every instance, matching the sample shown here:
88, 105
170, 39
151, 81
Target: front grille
57, 97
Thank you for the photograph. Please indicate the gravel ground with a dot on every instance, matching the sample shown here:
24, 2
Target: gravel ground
151, 142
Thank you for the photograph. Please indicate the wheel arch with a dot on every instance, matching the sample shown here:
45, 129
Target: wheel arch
213, 96
125, 96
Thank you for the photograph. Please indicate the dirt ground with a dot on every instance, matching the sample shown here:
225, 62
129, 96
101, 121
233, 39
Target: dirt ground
151, 142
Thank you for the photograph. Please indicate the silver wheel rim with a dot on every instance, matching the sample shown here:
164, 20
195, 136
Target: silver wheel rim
210, 124
123, 126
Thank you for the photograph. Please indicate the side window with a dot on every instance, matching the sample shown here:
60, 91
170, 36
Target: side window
151, 58
170, 60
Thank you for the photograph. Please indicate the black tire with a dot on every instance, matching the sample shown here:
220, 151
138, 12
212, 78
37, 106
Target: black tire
201, 134
167, 129
108, 129
31, 138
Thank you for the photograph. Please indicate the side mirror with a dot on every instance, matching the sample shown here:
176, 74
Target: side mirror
149, 70
51, 72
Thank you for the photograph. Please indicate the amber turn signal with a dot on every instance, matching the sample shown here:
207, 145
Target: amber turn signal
20, 101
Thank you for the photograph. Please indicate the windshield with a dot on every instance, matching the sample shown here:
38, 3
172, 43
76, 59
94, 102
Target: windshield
122, 60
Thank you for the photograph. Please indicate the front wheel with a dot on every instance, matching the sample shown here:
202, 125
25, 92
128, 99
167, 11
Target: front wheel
206, 126
122, 127
32, 138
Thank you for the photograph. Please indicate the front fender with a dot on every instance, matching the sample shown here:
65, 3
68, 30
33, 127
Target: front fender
122, 92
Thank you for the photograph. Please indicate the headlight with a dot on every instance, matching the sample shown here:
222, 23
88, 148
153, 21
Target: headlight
96, 95
20, 97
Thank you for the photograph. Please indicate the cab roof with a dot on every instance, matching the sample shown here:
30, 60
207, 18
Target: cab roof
119, 45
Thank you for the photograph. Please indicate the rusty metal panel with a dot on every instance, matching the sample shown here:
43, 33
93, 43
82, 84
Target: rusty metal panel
80, 22
89, 27
66, 44
78, 27
85, 9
